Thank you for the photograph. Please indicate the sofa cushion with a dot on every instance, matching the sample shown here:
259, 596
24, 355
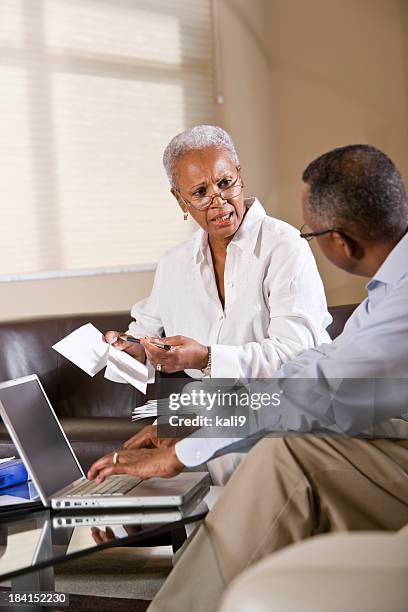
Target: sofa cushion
364, 571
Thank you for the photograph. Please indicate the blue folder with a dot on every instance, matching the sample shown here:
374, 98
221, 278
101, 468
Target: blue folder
12, 472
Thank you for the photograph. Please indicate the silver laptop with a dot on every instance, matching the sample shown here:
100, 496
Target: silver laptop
48, 456
134, 517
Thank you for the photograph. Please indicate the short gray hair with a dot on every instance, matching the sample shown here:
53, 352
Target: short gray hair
198, 137
358, 187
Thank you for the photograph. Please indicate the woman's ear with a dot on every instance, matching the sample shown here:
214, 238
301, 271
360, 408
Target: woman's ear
179, 199
240, 176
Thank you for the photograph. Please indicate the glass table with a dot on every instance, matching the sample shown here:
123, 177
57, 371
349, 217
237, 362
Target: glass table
33, 540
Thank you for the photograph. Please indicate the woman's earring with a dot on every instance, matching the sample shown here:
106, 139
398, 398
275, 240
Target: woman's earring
185, 216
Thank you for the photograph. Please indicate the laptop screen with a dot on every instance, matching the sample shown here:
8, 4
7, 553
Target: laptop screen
40, 437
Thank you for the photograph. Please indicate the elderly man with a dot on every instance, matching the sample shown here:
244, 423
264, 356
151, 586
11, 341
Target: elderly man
292, 488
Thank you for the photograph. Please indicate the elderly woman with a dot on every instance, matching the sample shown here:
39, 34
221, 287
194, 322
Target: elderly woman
238, 299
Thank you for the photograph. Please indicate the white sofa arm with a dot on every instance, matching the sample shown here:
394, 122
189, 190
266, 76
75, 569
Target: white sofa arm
347, 571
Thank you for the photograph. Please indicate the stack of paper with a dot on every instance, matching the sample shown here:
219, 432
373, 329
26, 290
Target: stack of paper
87, 349
147, 410
6, 459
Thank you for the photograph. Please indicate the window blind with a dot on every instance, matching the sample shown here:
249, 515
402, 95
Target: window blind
91, 91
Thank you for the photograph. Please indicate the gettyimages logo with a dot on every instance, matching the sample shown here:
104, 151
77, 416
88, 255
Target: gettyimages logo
216, 408
200, 398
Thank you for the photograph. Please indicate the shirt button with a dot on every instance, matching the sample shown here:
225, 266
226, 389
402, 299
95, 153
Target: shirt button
230, 285
221, 317
198, 455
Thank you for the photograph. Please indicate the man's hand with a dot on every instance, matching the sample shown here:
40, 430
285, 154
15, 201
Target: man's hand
101, 536
145, 463
147, 438
136, 350
185, 354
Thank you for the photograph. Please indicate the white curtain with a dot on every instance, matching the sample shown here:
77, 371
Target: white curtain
91, 91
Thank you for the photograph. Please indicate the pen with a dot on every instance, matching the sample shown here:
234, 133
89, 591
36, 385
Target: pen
166, 347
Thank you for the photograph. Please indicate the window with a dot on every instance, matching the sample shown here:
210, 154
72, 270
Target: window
91, 91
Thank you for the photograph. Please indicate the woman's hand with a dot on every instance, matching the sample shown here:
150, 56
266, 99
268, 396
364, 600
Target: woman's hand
147, 438
145, 463
185, 354
136, 350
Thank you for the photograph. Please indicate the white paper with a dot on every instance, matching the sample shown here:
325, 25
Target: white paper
113, 376
127, 367
87, 349
147, 410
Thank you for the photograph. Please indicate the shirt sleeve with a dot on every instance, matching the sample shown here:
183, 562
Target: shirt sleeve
364, 383
377, 349
297, 305
194, 451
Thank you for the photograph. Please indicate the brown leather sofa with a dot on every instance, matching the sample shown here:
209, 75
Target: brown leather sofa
94, 412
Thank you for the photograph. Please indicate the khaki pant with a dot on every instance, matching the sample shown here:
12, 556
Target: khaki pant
286, 490
222, 468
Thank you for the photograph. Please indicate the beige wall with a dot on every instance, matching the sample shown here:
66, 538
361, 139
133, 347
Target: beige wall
104, 293
338, 76
298, 77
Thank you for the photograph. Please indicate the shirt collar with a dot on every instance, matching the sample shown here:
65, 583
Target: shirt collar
246, 235
394, 267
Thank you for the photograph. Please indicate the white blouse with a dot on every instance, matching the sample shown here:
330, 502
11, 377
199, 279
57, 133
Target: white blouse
275, 306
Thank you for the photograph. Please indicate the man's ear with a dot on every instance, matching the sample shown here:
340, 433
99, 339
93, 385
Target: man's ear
348, 246
179, 200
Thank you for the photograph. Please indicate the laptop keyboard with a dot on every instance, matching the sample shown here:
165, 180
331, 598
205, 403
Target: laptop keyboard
114, 485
